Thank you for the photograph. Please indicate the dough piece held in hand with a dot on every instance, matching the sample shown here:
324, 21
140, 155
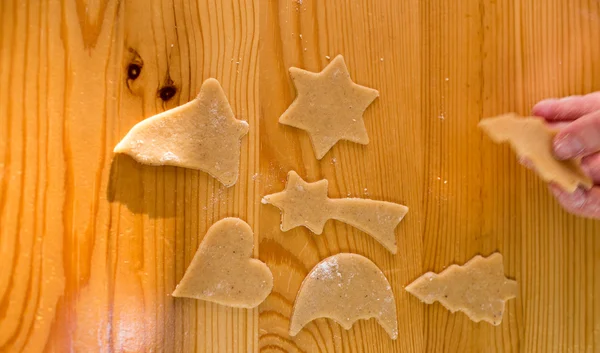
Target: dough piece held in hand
222, 270
531, 138
478, 288
306, 204
329, 106
345, 288
202, 134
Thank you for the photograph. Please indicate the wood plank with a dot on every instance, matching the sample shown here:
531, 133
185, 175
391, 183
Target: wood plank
380, 43
485, 58
93, 244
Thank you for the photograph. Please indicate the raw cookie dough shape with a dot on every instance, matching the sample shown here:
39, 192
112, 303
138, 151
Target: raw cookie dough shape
329, 106
222, 270
306, 204
202, 134
532, 139
478, 288
345, 288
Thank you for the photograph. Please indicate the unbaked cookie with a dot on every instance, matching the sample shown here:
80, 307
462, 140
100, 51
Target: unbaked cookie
329, 106
345, 288
531, 138
223, 270
202, 134
306, 204
478, 288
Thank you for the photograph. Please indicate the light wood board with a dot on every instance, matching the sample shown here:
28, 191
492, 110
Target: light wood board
92, 244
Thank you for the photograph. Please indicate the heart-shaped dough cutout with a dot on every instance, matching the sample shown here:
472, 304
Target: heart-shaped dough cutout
222, 270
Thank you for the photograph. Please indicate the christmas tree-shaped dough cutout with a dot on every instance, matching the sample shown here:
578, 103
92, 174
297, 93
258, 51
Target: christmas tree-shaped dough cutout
478, 288
531, 138
306, 204
329, 106
202, 134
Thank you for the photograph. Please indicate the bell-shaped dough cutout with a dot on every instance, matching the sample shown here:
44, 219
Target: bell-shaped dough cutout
202, 134
222, 270
478, 288
345, 287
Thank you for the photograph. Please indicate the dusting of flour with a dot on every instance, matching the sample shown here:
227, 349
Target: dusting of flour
326, 270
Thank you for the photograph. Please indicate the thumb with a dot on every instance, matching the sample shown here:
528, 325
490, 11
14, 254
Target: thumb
580, 138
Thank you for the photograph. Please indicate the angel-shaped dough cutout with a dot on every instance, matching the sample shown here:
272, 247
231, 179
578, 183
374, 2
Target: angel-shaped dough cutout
223, 270
478, 288
306, 204
329, 106
345, 288
531, 138
202, 134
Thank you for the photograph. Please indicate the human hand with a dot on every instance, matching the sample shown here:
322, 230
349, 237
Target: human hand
578, 121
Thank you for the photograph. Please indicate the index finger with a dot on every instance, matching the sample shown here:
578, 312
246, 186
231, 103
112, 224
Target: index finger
568, 108
578, 139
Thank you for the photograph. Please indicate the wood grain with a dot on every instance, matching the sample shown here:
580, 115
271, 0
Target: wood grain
486, 58
92, 244
380, 43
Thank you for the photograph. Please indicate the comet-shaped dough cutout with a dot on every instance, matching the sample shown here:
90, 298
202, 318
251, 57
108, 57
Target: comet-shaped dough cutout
223, 270
329, 106
345, 288
306, 204
478, 288
202, 134
531, 138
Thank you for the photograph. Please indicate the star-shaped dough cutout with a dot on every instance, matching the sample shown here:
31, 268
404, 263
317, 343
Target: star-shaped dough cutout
478, 288
329, 106
531, 138
202, 134
302, 204
306, 204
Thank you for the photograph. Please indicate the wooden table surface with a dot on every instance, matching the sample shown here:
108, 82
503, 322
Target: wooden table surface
92, 244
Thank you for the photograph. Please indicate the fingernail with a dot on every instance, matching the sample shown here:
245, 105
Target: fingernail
576, 199
543, 108
568, 147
